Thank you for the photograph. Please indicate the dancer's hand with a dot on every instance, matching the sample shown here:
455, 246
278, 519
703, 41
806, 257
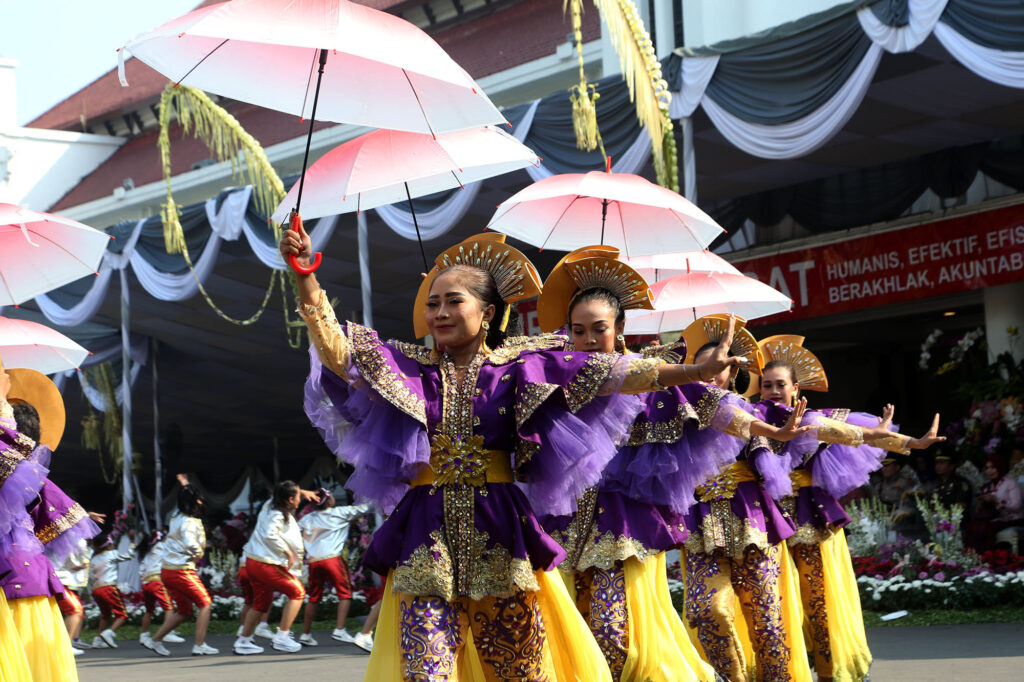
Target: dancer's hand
887, 413
97, 517
182, 480
298, 244
719, 358
791, 429
929, 439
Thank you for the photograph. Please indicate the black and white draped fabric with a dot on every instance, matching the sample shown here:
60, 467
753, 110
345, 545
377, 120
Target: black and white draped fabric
788, 97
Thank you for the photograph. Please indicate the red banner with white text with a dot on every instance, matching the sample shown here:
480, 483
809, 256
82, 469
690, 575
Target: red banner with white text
934, 259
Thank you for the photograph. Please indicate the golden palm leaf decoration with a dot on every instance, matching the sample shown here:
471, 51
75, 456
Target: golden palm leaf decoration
583, 96
226, 139
647, 89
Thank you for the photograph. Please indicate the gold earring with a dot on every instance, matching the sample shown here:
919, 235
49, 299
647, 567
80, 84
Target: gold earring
486, 325
620, 339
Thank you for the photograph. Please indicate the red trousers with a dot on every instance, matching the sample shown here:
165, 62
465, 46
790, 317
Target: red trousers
329, 571
267, 579
185, 588
110, 601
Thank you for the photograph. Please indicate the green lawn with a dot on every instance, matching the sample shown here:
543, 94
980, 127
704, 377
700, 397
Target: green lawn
999, 614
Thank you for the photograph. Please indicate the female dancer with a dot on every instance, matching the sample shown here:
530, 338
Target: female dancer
185, 544
38, 522
154, 592
73, 574
736, 530
324, 532
439, 436
273, 562
103, 576
616, 539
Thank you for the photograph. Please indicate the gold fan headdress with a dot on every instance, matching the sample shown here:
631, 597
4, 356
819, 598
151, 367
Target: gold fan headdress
36, 389
516, 277
712, 328
589, 268
789, 348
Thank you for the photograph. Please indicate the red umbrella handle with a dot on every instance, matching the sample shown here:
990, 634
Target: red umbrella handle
296, 224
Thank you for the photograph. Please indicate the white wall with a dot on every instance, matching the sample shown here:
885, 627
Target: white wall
706, 22
38, 167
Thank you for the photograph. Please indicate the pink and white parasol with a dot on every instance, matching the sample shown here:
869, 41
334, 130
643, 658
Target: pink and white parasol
380, 70
35, 346
387, 166
40, 252
664, 265
565, 212
681, 300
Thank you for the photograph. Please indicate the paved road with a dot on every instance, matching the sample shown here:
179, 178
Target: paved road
962, 653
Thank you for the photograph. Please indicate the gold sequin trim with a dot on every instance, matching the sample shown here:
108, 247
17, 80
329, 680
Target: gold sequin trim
897, 443
708, 404
429, 571
721, 530
668, 431
588, 381
642, 376
833, 431
529, 398
64, 523
374, 368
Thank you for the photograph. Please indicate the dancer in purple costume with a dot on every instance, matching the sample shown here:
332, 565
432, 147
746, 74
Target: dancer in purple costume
616, 539
821, 473
438, 438
38, 523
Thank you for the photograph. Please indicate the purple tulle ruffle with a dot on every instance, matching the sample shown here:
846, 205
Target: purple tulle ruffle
69, 542
20, 537
668, 473
19, 491
575, 449
387, 447
842, 468
774, 470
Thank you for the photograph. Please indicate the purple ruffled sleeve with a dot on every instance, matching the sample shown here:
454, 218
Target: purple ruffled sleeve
387, 446
677, 443
841, 468
566, 432
769, 458
21, 477
60, 523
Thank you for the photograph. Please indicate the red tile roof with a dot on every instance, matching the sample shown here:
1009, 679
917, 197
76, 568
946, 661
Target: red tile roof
139, 158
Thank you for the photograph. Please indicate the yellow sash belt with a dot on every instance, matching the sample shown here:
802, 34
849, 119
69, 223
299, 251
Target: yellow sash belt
801, 479
723, 486
470, 467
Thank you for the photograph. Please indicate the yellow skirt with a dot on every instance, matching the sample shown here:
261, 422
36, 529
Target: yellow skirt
45, 641
851, 657
13, 662
667, 654
572, 650
792, 621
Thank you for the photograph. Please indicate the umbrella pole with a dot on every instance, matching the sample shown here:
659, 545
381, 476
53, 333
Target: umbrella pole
296, 221
604, 215
419, 238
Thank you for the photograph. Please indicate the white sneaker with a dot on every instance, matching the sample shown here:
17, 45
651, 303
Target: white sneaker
285, 641
76, 652
342, 635
244, 646
363, 641
143, 637
98, 643
263, 630
204, 649
110, 638
173, 638
79, 644
156, 647
240, 629
306, 639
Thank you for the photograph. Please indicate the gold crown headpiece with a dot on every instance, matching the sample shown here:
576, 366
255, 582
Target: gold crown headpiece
712, 328
515, 276
36, 389
810, 374
591, 267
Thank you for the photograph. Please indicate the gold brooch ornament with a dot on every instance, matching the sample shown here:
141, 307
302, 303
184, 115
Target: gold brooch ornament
462, 461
